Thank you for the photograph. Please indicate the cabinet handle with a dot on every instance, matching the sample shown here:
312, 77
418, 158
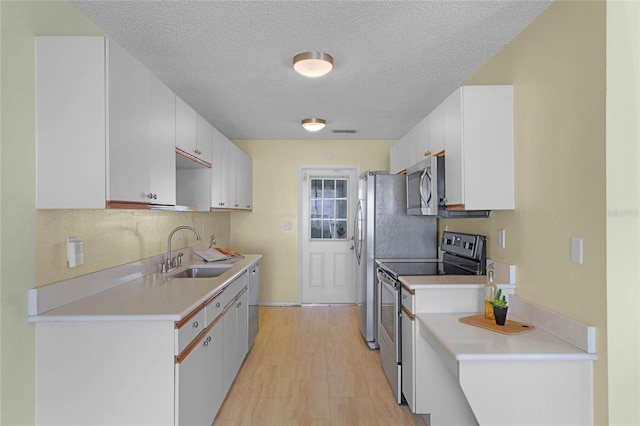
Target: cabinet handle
404, 296
205, 343
218, 305
427, 153
195, 324
197, 151
238, 304
208, 338
152, 196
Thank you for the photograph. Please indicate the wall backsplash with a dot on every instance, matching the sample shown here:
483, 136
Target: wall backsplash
116, 237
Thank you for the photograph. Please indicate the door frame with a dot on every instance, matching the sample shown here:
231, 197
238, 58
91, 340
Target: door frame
302, 168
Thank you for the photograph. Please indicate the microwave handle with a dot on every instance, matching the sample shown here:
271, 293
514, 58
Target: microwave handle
425, 174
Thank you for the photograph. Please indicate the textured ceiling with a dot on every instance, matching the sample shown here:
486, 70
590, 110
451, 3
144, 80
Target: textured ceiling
394, 61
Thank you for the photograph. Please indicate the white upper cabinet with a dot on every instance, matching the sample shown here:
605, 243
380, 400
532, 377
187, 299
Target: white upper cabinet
474, 128
186, 139
193, 133
399, 156
411, 148
231, 175
204, 135
141, 143
479, 165
220, 171
436, 125
245, 182
161, 147
70, 136
394, 159
105, 127
423, 143
108, 131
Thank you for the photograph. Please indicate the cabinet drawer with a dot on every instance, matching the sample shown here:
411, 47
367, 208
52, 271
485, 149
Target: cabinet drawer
215, 306
190, 329
237, 285
407, 298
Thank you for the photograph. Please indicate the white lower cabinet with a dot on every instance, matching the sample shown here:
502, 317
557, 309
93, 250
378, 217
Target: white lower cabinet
198, 377
142, 372
408, 359
235, 323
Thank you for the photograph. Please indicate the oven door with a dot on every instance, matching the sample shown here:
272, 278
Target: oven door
388, 307
389, 336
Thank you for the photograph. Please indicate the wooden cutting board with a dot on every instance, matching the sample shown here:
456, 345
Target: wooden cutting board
509, 327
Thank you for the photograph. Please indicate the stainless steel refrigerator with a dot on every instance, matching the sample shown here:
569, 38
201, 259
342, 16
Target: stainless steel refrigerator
383, 230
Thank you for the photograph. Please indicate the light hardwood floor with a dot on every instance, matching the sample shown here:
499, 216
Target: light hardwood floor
310, 366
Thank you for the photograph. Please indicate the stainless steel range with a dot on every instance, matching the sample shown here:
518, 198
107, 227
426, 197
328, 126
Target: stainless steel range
463, 254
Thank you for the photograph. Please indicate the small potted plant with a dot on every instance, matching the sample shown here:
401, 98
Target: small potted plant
500, 307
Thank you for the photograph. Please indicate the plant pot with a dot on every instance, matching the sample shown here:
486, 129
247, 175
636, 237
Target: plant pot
500, 313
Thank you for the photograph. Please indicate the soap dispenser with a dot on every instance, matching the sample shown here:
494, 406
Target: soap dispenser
490, 289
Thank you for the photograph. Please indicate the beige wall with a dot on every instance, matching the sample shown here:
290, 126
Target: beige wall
275, 199
623, 207
116, 237
557, 68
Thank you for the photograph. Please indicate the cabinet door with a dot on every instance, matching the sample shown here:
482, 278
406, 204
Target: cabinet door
192, 376
436, 129
487, 149
242, 312
394, 158
234, 172
186, 135
245, 182
70, 136
213, 359
161, 143
129, 109
408, 361
454, 164
204, 132
422, 140
220, 170
230, 347
403, 154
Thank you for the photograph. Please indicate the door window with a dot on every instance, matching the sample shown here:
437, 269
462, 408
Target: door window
328, 209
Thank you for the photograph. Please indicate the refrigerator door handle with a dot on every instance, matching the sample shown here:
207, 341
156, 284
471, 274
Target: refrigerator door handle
357, 229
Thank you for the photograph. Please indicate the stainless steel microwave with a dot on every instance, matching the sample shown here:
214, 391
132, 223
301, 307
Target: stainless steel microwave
422, 187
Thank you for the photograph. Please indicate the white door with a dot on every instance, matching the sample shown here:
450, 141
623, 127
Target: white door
328, 200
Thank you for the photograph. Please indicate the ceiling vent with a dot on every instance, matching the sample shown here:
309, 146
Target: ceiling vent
344, 131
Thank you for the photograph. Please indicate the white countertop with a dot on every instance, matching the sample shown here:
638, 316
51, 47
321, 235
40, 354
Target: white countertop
461, 342
416, 282
152, 297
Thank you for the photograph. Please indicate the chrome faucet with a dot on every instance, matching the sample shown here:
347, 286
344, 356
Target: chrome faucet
171, 263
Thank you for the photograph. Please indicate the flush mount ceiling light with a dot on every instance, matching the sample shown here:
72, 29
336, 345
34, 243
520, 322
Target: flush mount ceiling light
313, 124
313, 64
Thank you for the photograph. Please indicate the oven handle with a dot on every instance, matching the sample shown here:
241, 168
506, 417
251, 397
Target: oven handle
384, 278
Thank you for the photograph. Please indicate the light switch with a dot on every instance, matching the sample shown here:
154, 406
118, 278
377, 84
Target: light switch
501, 240
287, 225
577, 250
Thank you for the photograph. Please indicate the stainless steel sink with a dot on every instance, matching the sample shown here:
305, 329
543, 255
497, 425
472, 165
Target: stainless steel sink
202, 271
